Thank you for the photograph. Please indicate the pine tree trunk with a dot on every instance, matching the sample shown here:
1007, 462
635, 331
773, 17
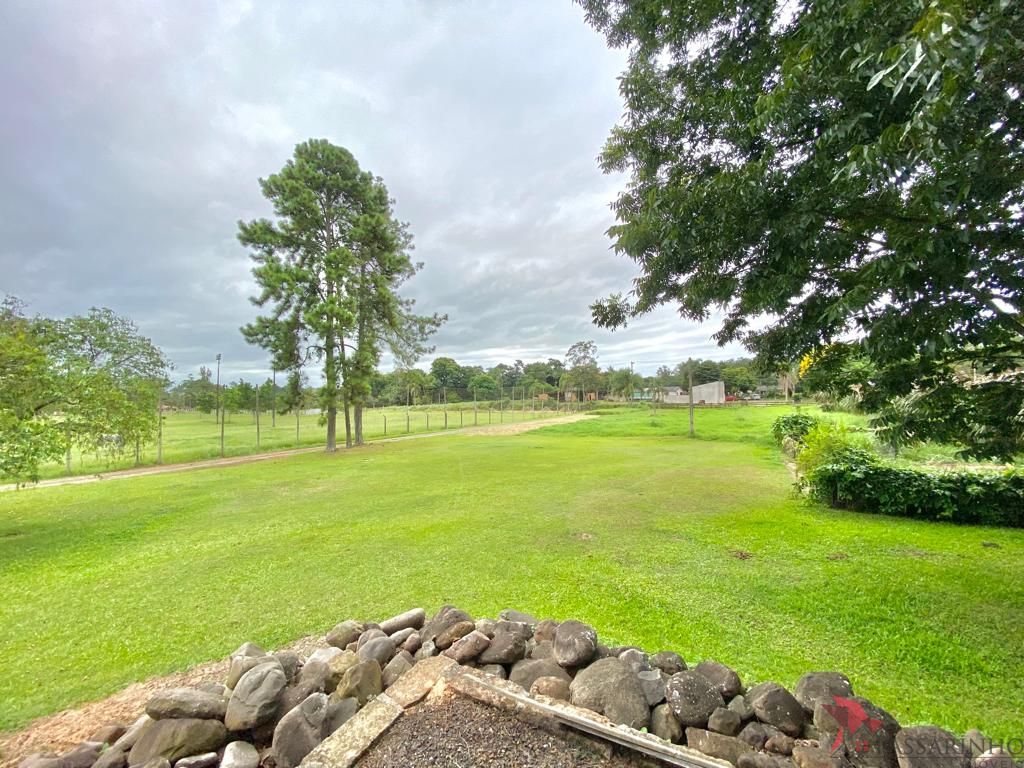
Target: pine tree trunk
331, 385
359, 425
344, 396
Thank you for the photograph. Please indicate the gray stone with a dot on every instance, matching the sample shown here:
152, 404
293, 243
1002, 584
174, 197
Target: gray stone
994, 757
362, 682
256, 698
249, 649
156, 762
525, 672
108, 734
545, 649
757, 734
468, 647
177, 738
444, 618
412, 644
504, 648
727, 748
664, 724
520, 628
815, 687
610, 688
487, 626
652, 683
453, 634
117, 758
344, 633
126, 742
205, 760
724, 721
805, 756
339, 711
575, 643
325, 655
412, 619
240, 754
425, 651
545, 630
776, 706
552, 687
298, 732
780, 743
976, 742
925, 746
372, 633
741, 707
511, 615
873, 745
398, 666
314, 677
290, 663
494, 670
40, 760
240, 665
218, 688
763, 760
723, 677
380, 649
669, 662
402, 635
636, 660
82, 756
186, 702
692, 697
337, 667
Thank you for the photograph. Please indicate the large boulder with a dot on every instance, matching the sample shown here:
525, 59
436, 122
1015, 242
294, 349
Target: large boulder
652, 682
552, 687
118, 758
545, 630
716, 745
175, 738
339, 712
610, 688
664, 724
692, 697
344, 633
925, 746
290, 663
398, 666
506, 647
723, 677
444, 618
362, 682
247, 656
526, 672
453, 634
240, 754
256, 698
776, 706
724, 721
186, 702
815, 687
300, 731
668, 662
380, 649
858, 730
575, 643
412, 619
469, 647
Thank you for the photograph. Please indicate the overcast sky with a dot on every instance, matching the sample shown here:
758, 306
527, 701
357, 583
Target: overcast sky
134, 133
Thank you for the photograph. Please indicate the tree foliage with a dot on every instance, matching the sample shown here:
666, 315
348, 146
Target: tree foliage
849, 170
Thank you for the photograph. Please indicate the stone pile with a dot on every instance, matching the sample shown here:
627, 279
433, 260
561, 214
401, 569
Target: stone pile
273, 709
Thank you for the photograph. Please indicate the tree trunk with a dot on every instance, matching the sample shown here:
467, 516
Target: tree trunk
359, 424
344, 395
331, 385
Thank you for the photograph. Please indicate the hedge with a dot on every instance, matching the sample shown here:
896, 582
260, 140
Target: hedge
859, 482
794, 426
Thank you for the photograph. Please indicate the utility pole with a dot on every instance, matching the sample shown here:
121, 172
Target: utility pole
219, 408
257, 418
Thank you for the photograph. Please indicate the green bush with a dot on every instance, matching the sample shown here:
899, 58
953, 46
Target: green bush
855, 479
793, 425
828, 443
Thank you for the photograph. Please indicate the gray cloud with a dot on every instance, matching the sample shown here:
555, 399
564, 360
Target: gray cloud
134, 135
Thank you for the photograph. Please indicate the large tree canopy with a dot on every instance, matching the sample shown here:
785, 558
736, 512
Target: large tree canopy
842, 169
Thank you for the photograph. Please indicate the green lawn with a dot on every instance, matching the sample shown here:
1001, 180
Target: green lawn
698, 546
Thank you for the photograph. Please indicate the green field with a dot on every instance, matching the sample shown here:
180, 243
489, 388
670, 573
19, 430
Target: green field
192, 436
699, 546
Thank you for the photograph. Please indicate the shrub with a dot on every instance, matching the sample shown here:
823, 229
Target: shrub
828, 443
793, 425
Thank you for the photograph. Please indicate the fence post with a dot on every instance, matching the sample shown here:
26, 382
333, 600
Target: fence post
428, 421
474, 407
385, 426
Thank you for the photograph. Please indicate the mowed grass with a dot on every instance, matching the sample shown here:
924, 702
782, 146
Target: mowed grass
658, 540
193, 436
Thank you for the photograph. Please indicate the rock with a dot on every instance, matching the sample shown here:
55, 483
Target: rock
412, 619
39, 760
108, 734
545, 630
925, 746
545, 649
976, 743
362, 682
815, 757
995, 757
117, 758
525, 672
504, 648
494, 670
815, 687
177, 738
741, 707
156, 762
241, 754
610, 688
724, 721
339, 711
487, 626
346, 632
652, 683
324, 655
575, 643
256, 698
669, 662
455, 632
757, 734
716, 745
186, 702
300, 731
520, 628
412, 644
216, 688
380, 649
763, 760
372, 633
723, 677
780, 743
444, 618
664, 724
776, 706
337, 667
692, 697
402, 635
314, 677
82, 756
524, 618
290, 663
395, 668
249, 649
552, 687
636, 660
240, 665
205, 760
810, 732
872, 745
425, 651
468, 647
126, 742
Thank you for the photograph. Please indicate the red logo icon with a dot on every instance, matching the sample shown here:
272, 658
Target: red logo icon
852, 718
